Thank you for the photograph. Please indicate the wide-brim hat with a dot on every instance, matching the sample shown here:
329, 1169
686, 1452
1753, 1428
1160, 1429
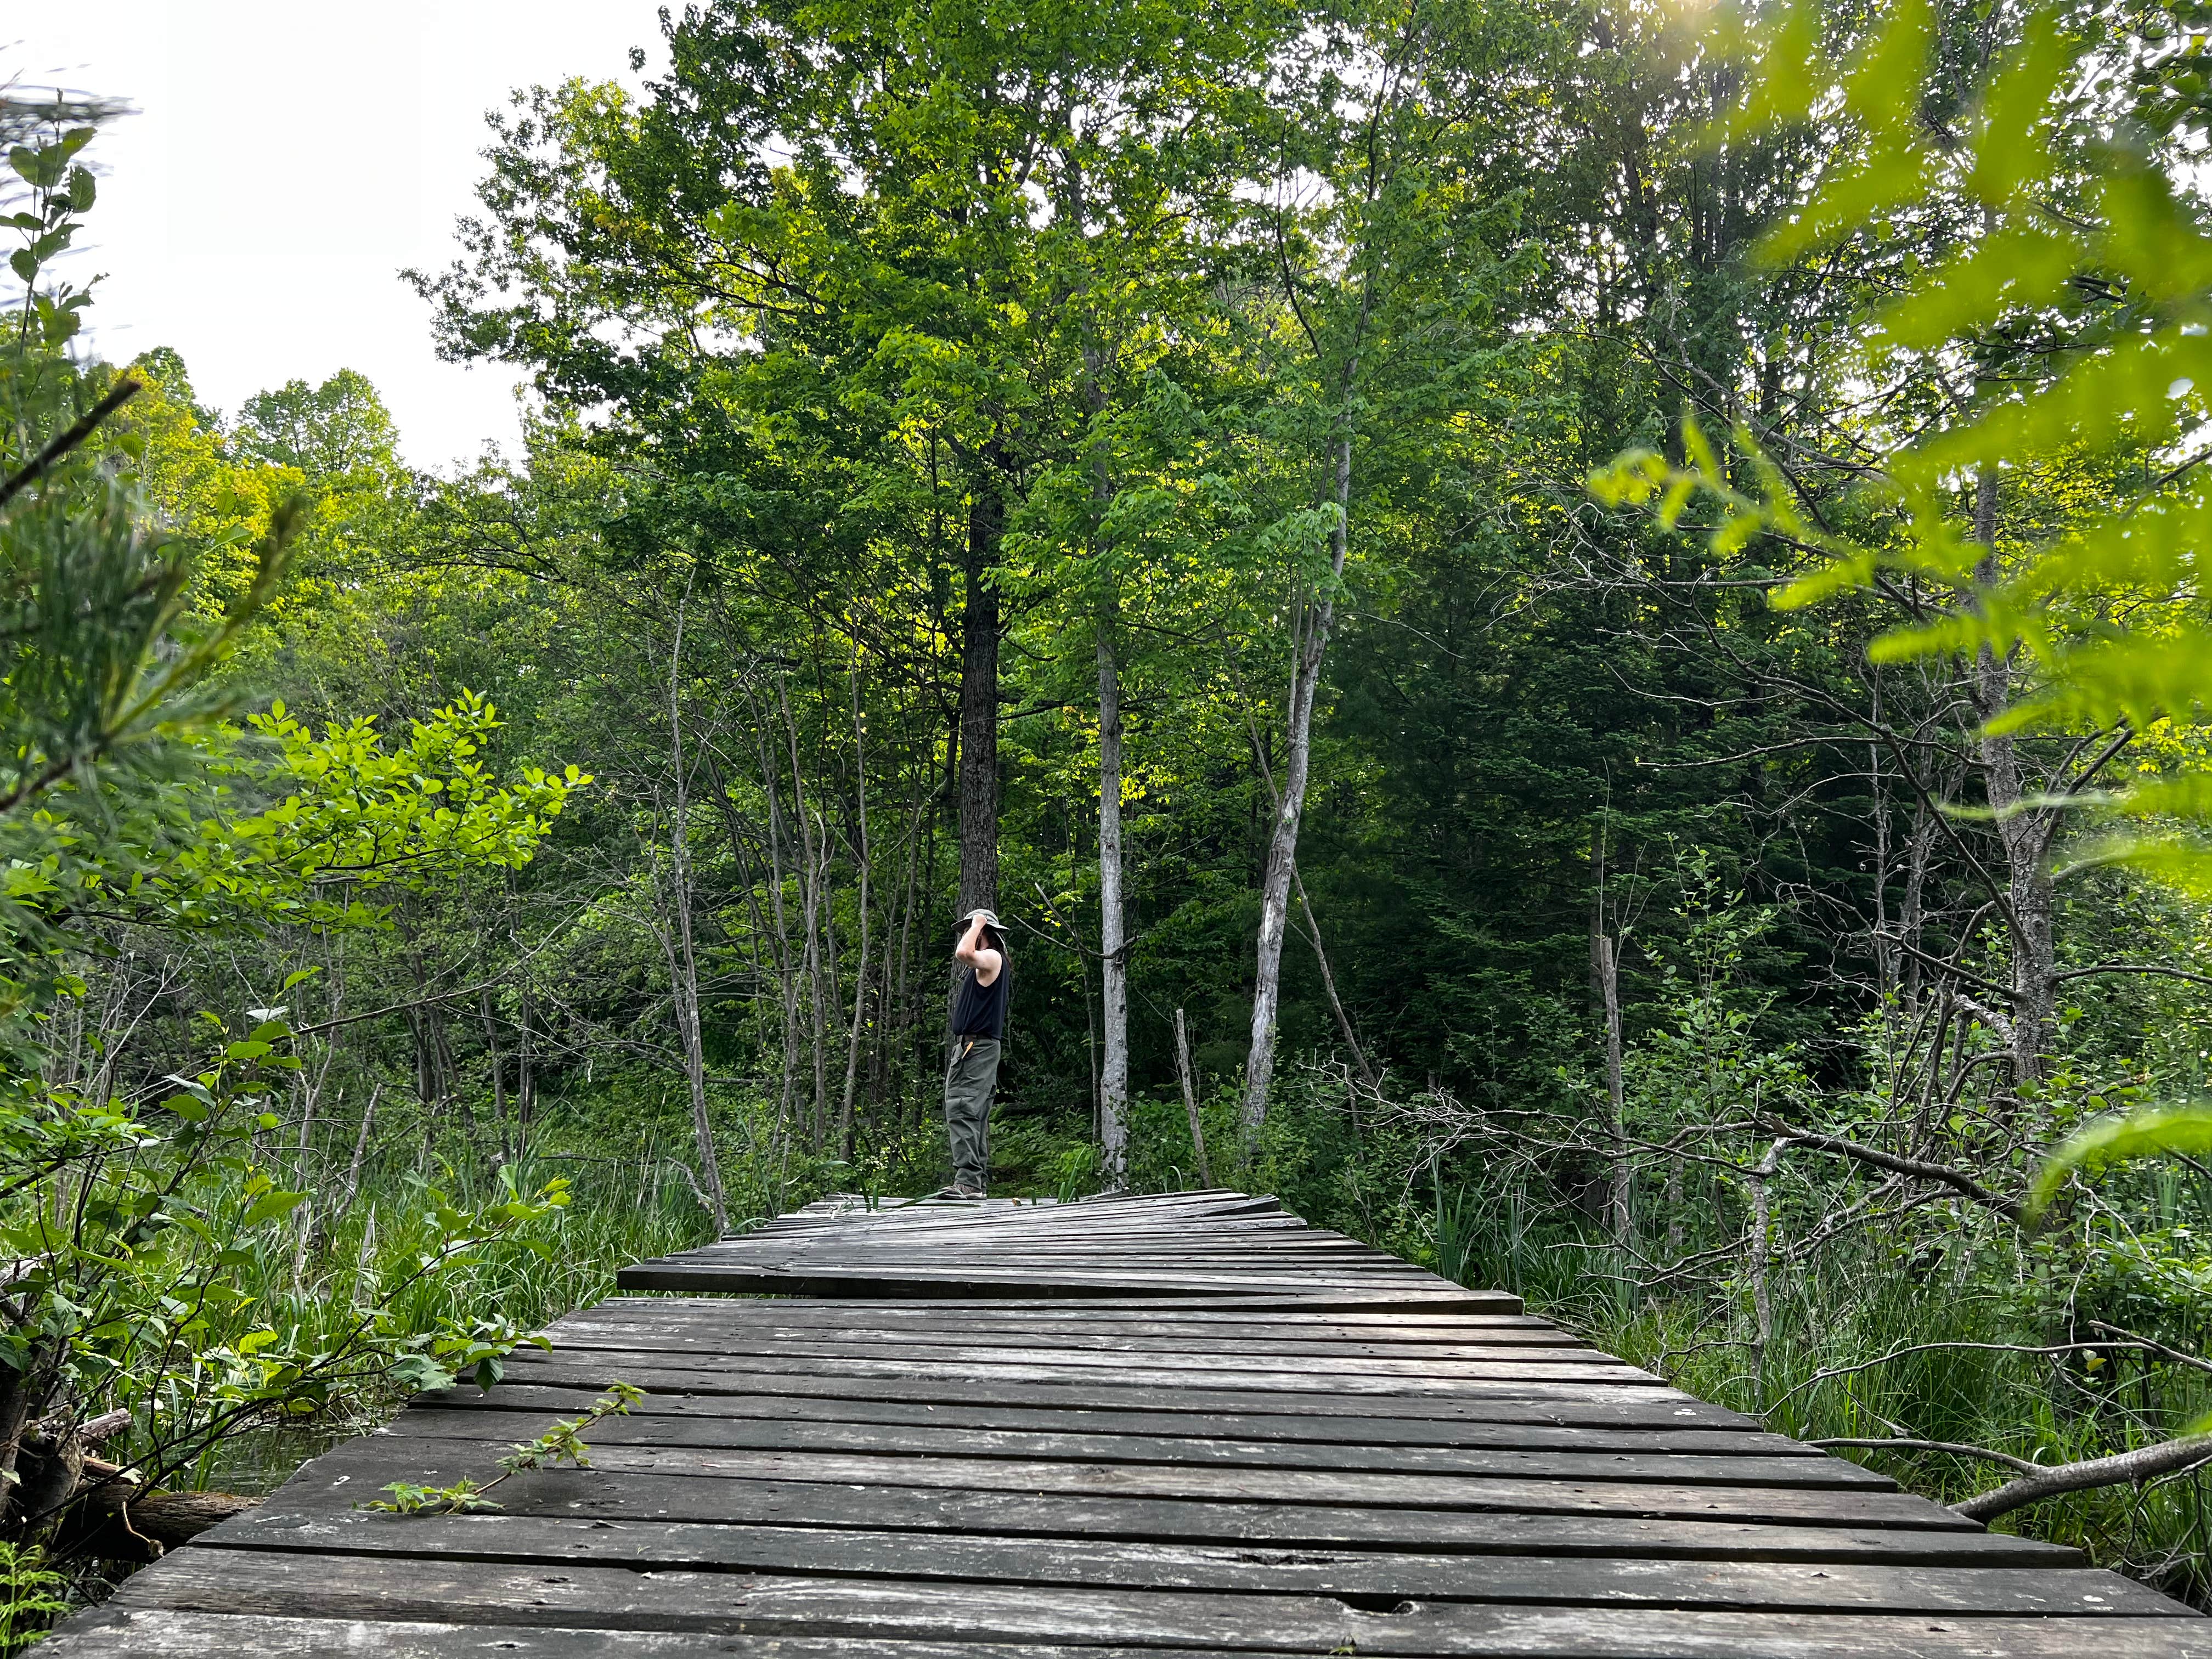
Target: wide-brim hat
990, 920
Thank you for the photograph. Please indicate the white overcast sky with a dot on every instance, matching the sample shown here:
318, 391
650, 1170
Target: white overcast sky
287, 161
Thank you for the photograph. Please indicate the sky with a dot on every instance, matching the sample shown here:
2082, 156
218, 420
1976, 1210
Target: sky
286, 162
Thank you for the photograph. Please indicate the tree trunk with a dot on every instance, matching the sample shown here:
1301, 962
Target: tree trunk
786, 1096
1605, 975
303, 1218
359, 1152
810, 903
1919, 847
861, 973
1759, 1252
1885, 949
500, 1125
979, 702
1114, 1076
525, 1079
2023, 834
1114, 988
1190, 1098
1283, 841
684, 960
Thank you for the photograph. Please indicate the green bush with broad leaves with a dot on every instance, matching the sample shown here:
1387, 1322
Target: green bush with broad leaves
130, 1235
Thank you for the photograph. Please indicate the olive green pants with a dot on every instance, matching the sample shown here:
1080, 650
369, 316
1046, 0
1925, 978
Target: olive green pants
969, 1077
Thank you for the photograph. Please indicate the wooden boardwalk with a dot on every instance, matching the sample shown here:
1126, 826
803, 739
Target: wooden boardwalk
1124, 1427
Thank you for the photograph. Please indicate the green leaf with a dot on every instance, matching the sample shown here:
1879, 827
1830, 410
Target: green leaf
2012, 148
2115, 1139
270, 1206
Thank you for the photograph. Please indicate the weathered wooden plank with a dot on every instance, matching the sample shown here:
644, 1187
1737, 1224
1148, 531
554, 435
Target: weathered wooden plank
1122, 1248
1532, 1402
1104, 1334
1878, 1504
1325, 1268
1582, 1463
134, 1632
1299, 1429
111, 1632
582, 1596
336, 1480
1317, 1340
1249, 1351
440, 1462
1556, 1364
1137, 1371
1564, 1581
970, 1286
1320, 1335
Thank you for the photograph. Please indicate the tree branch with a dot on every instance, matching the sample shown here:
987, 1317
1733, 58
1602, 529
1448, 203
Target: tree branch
2125, 1467
1957, 1180
124, 392
2133, 968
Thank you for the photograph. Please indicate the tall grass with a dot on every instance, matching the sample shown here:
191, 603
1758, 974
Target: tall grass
621, 1210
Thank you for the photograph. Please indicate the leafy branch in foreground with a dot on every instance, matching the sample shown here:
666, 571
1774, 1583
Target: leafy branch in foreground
562, 1443
2062, 327
2110, 1140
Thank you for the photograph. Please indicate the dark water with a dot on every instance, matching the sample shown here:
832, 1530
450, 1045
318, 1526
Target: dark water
259, 1462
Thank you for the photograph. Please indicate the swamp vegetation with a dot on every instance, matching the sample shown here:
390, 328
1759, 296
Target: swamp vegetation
1568, 629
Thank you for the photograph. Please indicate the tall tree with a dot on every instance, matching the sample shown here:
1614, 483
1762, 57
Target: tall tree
1369, 230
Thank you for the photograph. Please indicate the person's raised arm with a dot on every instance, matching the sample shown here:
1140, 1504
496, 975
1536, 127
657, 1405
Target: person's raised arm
974, 953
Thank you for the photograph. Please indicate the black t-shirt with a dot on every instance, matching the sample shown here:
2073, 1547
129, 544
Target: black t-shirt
980, 1010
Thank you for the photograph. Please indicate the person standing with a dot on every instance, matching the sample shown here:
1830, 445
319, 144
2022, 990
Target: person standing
979, 1026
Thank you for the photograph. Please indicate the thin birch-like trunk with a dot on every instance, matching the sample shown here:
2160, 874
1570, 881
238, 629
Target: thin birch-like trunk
1190, 1098
1113, 945
810, 903
1114, 967
683, 959
2030, 895
833, 986
305, 1217
861, 973
1311, 643
2023, 833
526, 1079
359, 1152
788, 1087
1885, 949
1605, 973
498, 1075
1759, 1249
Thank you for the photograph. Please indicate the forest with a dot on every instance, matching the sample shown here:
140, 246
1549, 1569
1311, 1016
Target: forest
1567, 631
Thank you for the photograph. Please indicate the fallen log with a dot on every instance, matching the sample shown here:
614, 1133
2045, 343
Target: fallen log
2168, 1457
111, 1517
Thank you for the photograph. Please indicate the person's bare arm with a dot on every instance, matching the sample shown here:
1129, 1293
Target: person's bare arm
972, 952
